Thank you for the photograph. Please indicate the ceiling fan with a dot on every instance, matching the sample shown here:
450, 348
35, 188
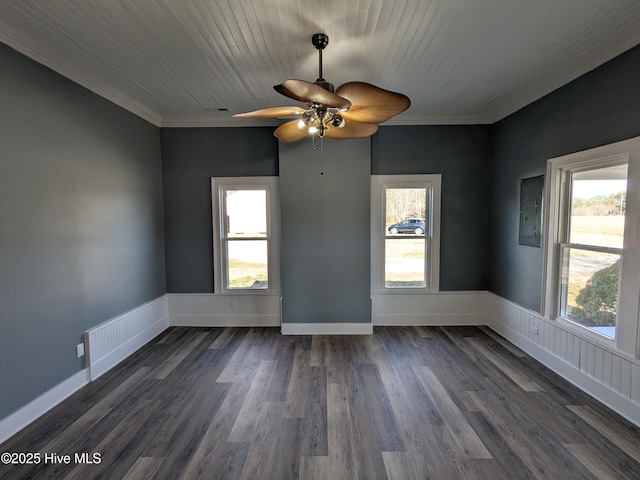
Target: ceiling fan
353, 110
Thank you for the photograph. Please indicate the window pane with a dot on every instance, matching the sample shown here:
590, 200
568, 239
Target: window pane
404, 263
246, 213
598, 204
248, 266
405, 211
589, 289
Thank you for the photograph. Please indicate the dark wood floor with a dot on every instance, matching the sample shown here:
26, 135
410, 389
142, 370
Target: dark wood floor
404, 403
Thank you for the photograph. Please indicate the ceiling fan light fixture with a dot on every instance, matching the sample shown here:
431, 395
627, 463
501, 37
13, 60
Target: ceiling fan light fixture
305, 120
338, 121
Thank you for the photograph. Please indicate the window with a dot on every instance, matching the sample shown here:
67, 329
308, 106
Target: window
245, 234
405, 232
592, 248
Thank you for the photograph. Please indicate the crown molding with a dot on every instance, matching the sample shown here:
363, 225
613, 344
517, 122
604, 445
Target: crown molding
179, 122
11, 38
404, 119
594, 60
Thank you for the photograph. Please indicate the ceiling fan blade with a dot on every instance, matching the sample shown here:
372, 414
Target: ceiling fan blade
371, 104
352, 129
289, 132
271, 112
308, 92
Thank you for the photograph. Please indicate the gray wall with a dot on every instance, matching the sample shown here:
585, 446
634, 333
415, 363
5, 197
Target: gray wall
600, 107
190, 157
81, 223
325, 215
461, 154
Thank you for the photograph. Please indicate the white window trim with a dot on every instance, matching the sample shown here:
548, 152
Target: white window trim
378, 184
273, 227
627, 328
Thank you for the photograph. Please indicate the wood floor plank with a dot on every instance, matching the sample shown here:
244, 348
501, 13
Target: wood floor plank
225, 337
447, 354
465, 437
626, 441
174, 360
366, 441
288, 443
505, 463
502, 341
424, 332
382, 418
244, 362
339, 464
215, 457
406, 402
598, 464
145, 468
401, 466
412, 407
180, 397
95, 414
361, 345
318, 351
297, 391
543, 455
113, 445
254, 405
264, 444
463, 360
285, 355
191, 428
325, 351
518, 377
315, 438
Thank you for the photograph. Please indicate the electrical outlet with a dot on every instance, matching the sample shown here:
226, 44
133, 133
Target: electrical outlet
80, 350
233, 304
533, 329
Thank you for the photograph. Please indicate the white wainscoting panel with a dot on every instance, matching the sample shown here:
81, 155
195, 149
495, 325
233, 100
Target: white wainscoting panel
610, 376
222, 310
441, 308
114, 340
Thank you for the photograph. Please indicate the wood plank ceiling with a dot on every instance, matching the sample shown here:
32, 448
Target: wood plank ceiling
177, 62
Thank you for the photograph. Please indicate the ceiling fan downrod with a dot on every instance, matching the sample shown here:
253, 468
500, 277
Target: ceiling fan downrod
320, 42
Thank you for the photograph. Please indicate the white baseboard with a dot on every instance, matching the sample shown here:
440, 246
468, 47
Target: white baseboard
606, 375
111, 342
15, 422
327, 328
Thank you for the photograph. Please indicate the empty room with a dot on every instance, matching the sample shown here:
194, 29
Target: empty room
298, 239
